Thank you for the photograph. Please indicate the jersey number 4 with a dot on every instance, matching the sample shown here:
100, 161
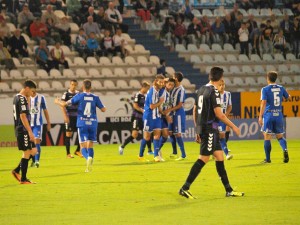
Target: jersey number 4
87, 109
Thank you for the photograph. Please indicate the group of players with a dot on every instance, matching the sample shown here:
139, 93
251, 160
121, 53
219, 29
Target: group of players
158, 109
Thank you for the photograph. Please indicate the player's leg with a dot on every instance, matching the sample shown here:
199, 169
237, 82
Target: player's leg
83, 145
178, 129
227, 134
90, 159
267, 129
68, 135
38, 132
222, 130
156, 138
279, 131
147, 130
134, 134
173, 141
164, 133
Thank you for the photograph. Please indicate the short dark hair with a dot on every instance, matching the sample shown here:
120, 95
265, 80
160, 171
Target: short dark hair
159, 76
29, 83
145, 84
179, 76
272, 76
216, 73
171, 79
74, 80
87, 84
161, 61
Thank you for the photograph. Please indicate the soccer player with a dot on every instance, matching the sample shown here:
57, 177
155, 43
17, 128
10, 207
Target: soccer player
226, 106
23, 132
137, 117
166, 118
177, 127
37, 105
207, 113
271, 117
152, 117
70, 118
87, 122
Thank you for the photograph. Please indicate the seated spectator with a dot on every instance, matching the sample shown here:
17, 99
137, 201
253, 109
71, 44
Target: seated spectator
38, 30
167, 30
267, 37
174, 9
218, 31
93, 48
154, 8
229, 29
73, 7
5, 28
274, 23
246, 4
42, 55
162, 68
35, 7
53, 33
107, 44
295, 37
56, 4
81, 43
142, 10
194, 32
58, 57
244, 38
237, 25
235, 12
115, 18
10, 8
180, 32
251, 23
18, 45
4, 39
50, 14
255, 39
85, 4
102, 19
25, 18
186, 10
91, 13
120, 43
286, 25
91, 26
206, 33
5, 58
279, 43
64, 31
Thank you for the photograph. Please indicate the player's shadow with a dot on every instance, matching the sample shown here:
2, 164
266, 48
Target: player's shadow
251, 165
59, 175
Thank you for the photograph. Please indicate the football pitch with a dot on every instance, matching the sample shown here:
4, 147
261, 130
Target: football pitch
122, 190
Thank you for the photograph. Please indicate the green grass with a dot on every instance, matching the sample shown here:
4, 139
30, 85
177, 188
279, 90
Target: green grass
121, 190
7, 133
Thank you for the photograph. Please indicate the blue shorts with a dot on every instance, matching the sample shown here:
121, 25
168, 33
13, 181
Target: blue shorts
37, 131
151, 124
164, 123
87, 133
222, 127
273, 123
178, 125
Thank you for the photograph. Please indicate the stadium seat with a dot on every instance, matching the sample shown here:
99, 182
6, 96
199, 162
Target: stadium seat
4, 87
290, 57
192, 48
74, 28
140, 49
29, 74
16, 75
195, 59
117, 60
11, 27
54, 73
142, 60
108, 84
81, 73
68, 73
265, 12
231, 58
67, 51
262, 81
268, 58
78, 61
227, 82
277, 12
145, 72
56, 85
259, 69
129, 49
283, 69
106, 72
294, 68
28, 40
28, 62
219, 58
246, 70
44, 86
255, 58
59, 13
207, 69
270, 68
4, 75
92, 61
104, 61
204, 48
42, 74
208, 13
170, 70
250, 81
196, 13
216, 47
288, 11
219, 12
279, 57
243, 58
93, 72
297, 79
234, 70
134, 84
228, 47
254, 12
253, 89
180, 48
207, 59
119, 72
16, 86
132, 72
96, 85
3, 96
238, 81
17, 62
240, 89
129, 60
286, 80
154, 60
122, 84
187, 84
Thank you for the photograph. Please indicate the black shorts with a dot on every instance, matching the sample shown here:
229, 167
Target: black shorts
137, 124
71, 127
24, 142
210, 142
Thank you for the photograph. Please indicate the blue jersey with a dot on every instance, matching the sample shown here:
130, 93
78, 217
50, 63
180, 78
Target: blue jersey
37, 105
225, 101
168, 101
273, 94
178, 95
153, 97
87, 105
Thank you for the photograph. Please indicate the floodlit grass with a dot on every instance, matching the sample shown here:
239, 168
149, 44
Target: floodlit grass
122, 190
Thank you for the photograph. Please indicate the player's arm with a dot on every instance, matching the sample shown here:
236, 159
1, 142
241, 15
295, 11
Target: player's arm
180, 104
228, 110
137, 108
26, 124
263, 104
46, 113
221, 116
154, 106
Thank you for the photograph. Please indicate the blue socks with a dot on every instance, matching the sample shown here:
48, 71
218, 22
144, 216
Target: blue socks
156, 147
224, 145
181, 146
90, 152
173, 142
84, 152
267, 146
38, 154
162, 141
282, 142
142, 147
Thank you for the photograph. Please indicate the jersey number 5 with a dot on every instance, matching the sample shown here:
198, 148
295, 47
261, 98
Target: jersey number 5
200, 104
276, 99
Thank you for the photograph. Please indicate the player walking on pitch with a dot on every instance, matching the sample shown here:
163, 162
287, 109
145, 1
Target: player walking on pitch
271, 117
207, 113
